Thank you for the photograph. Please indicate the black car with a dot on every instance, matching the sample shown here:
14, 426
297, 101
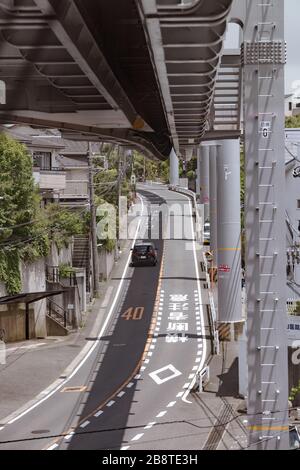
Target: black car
144, 253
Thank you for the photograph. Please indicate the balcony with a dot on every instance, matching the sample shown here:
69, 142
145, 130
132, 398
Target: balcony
50, 179
75, 189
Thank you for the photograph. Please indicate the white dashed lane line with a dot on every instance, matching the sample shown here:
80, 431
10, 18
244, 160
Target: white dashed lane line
161, 414
120, 394
137, 437
150, 425
110, 403
171, 404
99, 413
85, 424
53, 447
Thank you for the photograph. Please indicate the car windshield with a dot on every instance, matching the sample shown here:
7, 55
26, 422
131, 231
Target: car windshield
142, 248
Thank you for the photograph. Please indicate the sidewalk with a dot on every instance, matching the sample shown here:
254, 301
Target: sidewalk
32, 366
217, 407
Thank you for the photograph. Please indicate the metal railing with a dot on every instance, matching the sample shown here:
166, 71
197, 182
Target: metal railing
57, 312
53, 276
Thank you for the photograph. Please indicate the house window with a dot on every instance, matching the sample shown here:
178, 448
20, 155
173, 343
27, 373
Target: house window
298, 204
290, 106
42, 160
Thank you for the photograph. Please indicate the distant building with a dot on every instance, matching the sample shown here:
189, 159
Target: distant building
292, 158
60, 166
292, 104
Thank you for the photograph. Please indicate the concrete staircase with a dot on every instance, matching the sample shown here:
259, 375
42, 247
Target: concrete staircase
81, 255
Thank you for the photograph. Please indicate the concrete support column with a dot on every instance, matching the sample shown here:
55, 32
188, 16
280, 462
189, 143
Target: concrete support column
204, 179
198, 173
229, 232
264, 58
213, 202
174, 168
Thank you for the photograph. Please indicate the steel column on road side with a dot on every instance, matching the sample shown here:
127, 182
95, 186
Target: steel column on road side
229, 232
204, 179
174, 168
263, 58
213, 202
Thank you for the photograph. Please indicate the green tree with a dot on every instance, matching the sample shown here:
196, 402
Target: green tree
292, 122
19, 201
19, 204
26, 230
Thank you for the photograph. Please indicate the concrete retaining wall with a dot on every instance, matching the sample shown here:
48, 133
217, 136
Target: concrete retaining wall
12, 321
106, 263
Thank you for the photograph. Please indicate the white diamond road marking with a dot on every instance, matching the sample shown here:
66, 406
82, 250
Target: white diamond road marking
120, 394
191, 376
111, 403
85, 424
143, 368
195, 368
180, 394
99, 413
131, 384
174, 373
154, 340
199, 353
152, 346
137, 437
198, 359
146, 361
137, 377
150, 353
161, 414
186, 385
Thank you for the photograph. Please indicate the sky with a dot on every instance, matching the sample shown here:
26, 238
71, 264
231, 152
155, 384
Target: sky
292, 37
292, 15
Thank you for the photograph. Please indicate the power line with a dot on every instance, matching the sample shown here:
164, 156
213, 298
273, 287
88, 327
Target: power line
138, 426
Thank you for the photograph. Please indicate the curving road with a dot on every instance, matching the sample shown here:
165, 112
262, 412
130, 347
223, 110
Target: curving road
134, 383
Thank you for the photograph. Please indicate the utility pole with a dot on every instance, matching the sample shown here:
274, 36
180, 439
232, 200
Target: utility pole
93, 225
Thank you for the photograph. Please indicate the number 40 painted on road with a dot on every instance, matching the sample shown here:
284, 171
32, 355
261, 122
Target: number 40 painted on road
133, 313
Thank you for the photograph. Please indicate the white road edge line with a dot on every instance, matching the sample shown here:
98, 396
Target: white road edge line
24, 413
184, 398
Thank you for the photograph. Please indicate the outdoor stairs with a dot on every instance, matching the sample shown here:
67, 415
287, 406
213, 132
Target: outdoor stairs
81, 254
58, 317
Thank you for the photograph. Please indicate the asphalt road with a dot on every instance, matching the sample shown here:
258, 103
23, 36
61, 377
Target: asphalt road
136, 381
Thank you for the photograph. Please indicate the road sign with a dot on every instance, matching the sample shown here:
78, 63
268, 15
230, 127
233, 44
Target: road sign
293, 329
224, 268
265, 127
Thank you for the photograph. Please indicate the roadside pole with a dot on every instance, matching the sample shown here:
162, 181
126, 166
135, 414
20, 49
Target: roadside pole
93, 225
